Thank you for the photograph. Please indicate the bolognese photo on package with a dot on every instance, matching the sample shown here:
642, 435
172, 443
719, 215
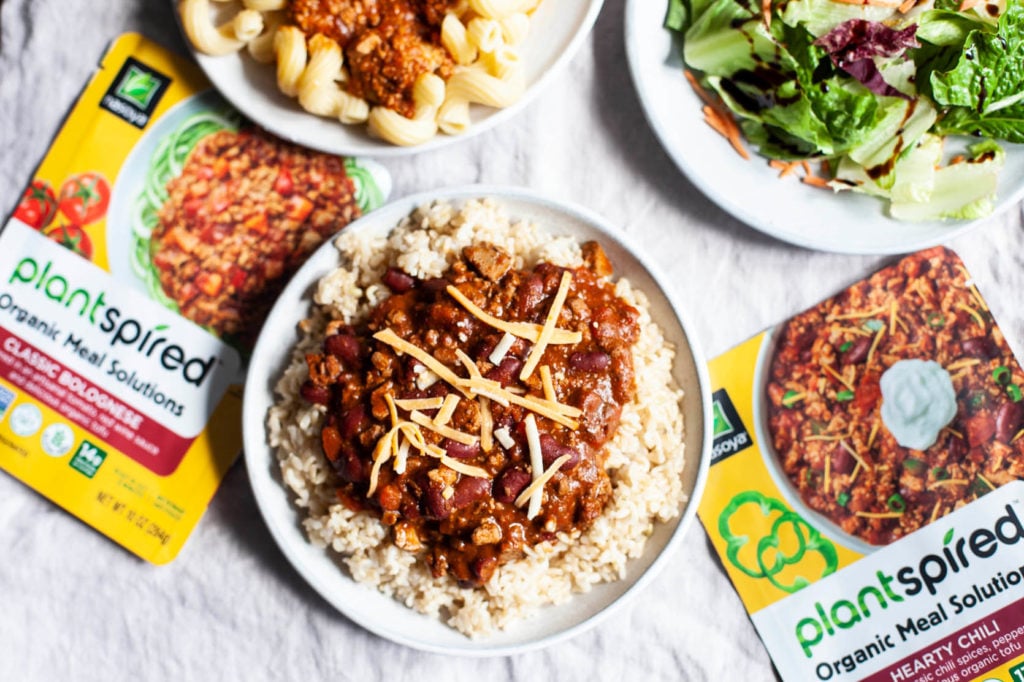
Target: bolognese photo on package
866, 493
137, 270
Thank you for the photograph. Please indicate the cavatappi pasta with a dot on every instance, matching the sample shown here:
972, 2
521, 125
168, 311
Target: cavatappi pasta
359, 64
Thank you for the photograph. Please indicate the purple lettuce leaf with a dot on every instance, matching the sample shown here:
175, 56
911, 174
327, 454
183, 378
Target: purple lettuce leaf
852, 44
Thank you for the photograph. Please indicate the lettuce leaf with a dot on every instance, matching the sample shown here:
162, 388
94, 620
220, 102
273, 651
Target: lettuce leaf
984, 91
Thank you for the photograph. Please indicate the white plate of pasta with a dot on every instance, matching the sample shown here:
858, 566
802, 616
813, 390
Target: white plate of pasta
448, 70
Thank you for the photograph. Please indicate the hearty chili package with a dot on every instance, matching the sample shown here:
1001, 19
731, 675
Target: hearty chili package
866, 494
135, 274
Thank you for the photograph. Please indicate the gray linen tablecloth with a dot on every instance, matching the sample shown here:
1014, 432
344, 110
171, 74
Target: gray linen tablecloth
75, 606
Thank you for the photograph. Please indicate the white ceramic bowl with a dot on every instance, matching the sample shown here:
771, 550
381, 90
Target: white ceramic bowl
824, 525
389, 618
557, 30
752, 191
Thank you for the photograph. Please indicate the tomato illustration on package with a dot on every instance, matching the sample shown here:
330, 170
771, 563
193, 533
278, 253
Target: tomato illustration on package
866, 493
135, 274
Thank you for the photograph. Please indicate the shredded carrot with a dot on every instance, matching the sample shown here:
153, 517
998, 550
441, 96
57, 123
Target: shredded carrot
959, 158
907, 6
766, 13
717, 117
967, 4
698, 88
786, 167
726, 126
825, 167
806, 166
815, 181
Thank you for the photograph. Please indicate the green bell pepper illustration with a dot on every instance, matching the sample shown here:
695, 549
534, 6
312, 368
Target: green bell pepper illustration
808, 539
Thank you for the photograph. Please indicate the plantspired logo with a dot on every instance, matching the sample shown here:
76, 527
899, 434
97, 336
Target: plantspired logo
135, 92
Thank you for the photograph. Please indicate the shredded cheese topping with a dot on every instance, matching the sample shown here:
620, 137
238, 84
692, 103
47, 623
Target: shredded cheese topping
500, 350
426, 422
536, 469
972, 312
547, 383
444, 415
524, 330
549, 327
420, 403
535, 490
486, 424
436, 366
504, 437
839, 377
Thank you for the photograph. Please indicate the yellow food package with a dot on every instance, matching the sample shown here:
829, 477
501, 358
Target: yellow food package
134, 276
865, 492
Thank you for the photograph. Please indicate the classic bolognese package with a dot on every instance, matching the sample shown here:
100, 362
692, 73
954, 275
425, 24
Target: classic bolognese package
865, 494
135, 274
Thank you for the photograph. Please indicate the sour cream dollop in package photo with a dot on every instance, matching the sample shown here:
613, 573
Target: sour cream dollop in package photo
135, 273
865, 494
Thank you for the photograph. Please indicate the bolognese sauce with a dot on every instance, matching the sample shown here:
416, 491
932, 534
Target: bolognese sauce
387, 44
470, 441
824, 400
245, 212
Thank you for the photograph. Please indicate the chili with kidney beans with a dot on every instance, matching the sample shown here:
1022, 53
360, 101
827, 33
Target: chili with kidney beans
466, 525
824, 399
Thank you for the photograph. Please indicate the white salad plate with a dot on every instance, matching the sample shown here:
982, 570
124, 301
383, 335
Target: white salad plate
364, 604
557, 31
752, 191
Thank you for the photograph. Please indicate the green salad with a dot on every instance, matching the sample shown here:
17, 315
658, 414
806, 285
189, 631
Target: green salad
874, 88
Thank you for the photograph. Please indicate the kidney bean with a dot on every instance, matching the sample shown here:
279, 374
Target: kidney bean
435, 284
980, 428
842, 461
1009, 419
595, 361
315, 393
353, 421
979, 347
398, 281
460, 450
506, 372
350, 466
344, 347
437, 507
509, 484
858, 352
468, 490
484, 567
531, 293
551, 450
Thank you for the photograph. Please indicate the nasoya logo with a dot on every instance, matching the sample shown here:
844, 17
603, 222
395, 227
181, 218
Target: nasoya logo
135, 92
